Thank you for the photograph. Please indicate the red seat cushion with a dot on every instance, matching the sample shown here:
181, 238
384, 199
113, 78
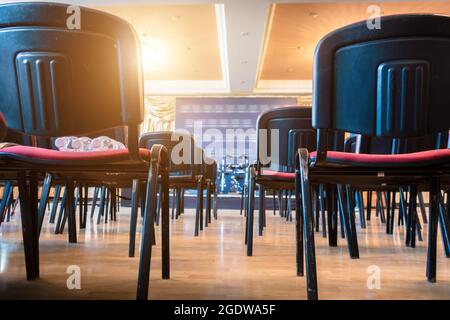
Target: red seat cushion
419, 159
40, 155
278, 175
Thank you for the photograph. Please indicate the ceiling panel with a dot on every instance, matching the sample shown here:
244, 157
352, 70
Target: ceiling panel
296, 28
179, 42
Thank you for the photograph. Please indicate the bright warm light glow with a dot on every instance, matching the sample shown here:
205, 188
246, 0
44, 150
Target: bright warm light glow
152, 54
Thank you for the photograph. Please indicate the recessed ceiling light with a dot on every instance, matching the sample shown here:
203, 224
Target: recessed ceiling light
313, 14
245, 33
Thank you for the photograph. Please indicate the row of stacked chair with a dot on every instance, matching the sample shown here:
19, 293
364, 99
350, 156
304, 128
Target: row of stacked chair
59, 82
386, 88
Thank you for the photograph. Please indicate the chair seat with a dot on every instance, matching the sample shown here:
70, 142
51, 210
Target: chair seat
42, 155
277, 174
416, 159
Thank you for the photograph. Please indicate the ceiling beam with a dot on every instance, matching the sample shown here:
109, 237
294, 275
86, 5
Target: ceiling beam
245, 25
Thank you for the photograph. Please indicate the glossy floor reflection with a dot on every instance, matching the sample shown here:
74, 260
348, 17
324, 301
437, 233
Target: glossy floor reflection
214, 265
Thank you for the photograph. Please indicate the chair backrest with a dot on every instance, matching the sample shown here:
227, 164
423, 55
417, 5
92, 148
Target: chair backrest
294, 131
388, 82
57, 81
170, 139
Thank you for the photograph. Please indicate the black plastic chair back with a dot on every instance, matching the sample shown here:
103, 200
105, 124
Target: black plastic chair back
168, 139
294, 130
389, 82
61, 82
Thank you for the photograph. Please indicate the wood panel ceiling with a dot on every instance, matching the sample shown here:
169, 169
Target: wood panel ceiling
296, 28
180, 42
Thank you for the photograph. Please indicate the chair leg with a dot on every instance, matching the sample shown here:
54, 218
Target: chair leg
70, 212
387, 196
147, 233
250, 213
289, 207
216, 204
411, 221
432, 230
274, 203
443, 223
16, 202
347, 218
178, 197
101, 209
198, 213
208, 201
107, 204
158, 206
299, 226
94, 201
165, 223
448, 207
341, 220
285, 208
242, 200
362, 216
315, 194
352, 219
392, 216
29, 214
113, 204
182, 201
85, 207
133, 217
261, 210
402, 208
331, 215
59, 223
369, 205
43, 201
206, 206
200, 183
422, 207
174, 199
7, 189
310, 254
79, 189
280, 202
322, 210
380, 207
142, 198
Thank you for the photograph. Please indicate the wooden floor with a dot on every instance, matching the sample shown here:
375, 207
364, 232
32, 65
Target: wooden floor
214, 265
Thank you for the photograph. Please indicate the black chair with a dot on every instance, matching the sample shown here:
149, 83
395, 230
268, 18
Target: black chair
188, 173
377, 145
293, 125
389, 82
58, 82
